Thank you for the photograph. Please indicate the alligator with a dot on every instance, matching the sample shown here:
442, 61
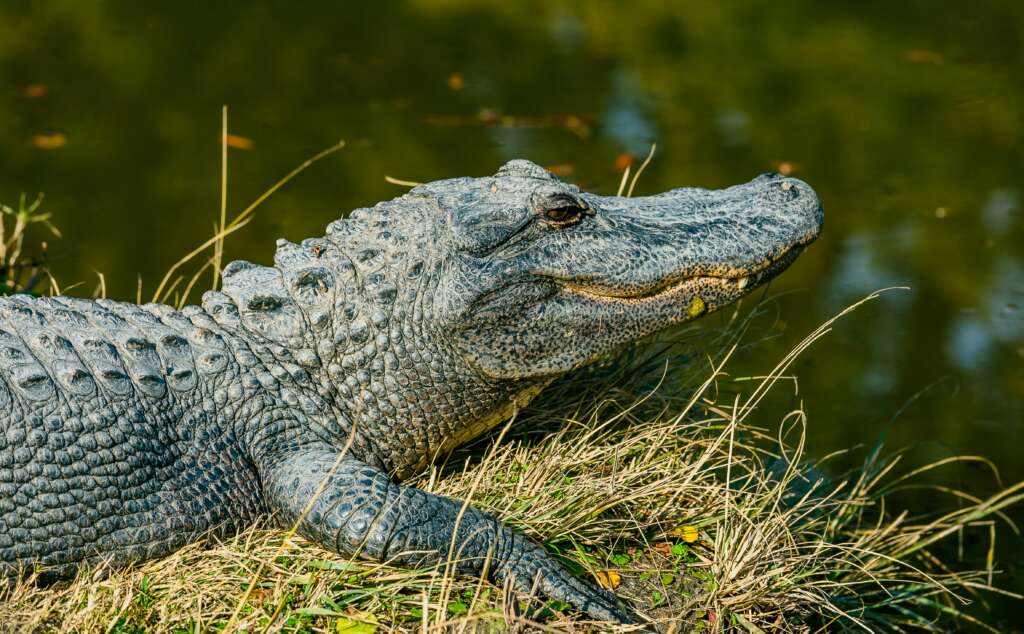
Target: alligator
308, 390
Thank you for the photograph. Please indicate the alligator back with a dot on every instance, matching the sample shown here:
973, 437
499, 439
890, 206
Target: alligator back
109, 440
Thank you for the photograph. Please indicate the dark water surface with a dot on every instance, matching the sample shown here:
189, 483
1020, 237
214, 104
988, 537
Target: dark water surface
906, 117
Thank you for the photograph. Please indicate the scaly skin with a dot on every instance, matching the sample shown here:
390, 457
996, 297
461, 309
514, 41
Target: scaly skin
411, 327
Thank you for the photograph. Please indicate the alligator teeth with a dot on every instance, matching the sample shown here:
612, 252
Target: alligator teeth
742, 282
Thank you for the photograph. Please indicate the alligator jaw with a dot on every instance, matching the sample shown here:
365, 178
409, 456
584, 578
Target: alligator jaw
732, 284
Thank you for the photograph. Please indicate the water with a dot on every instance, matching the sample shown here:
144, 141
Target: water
908, 120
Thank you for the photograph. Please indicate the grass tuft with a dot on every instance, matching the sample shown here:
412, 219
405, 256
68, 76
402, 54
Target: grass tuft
19, 274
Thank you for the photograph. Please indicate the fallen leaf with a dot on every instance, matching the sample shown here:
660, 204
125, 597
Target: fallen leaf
690, 534
922, 56
49, 140
577, 126
608, 579
785, 167
663, 548
350, 626
622, 161
488, 115
239, 142
258, 595
562, 169
33, 91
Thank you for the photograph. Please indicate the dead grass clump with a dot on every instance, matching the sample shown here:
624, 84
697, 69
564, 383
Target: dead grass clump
635, 473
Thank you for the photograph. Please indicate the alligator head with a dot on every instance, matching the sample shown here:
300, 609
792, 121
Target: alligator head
438, 311
544, 278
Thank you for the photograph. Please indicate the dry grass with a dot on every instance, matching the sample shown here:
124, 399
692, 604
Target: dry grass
635, 472
650, 472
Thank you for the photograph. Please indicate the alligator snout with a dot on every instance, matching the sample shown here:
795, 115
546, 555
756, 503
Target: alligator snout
790, 201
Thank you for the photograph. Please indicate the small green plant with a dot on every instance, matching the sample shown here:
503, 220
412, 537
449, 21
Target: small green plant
657, 598
620, 559
18, 274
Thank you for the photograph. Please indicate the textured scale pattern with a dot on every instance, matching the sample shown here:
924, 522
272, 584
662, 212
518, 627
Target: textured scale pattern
109, 451
128, 431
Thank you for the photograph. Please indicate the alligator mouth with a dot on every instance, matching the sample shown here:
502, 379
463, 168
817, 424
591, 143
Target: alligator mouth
738, 281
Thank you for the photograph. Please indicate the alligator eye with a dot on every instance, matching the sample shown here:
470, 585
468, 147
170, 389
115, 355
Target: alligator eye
564, 214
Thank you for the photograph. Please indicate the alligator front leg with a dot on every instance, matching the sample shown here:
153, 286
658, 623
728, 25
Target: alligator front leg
359, 510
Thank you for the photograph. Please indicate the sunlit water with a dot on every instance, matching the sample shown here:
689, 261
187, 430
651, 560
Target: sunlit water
907, 119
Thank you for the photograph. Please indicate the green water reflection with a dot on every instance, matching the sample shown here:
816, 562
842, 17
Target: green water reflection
907, 118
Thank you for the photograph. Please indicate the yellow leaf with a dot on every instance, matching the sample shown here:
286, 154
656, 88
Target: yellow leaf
608, 579
238, 142
350, 626
689, 534
49, 140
